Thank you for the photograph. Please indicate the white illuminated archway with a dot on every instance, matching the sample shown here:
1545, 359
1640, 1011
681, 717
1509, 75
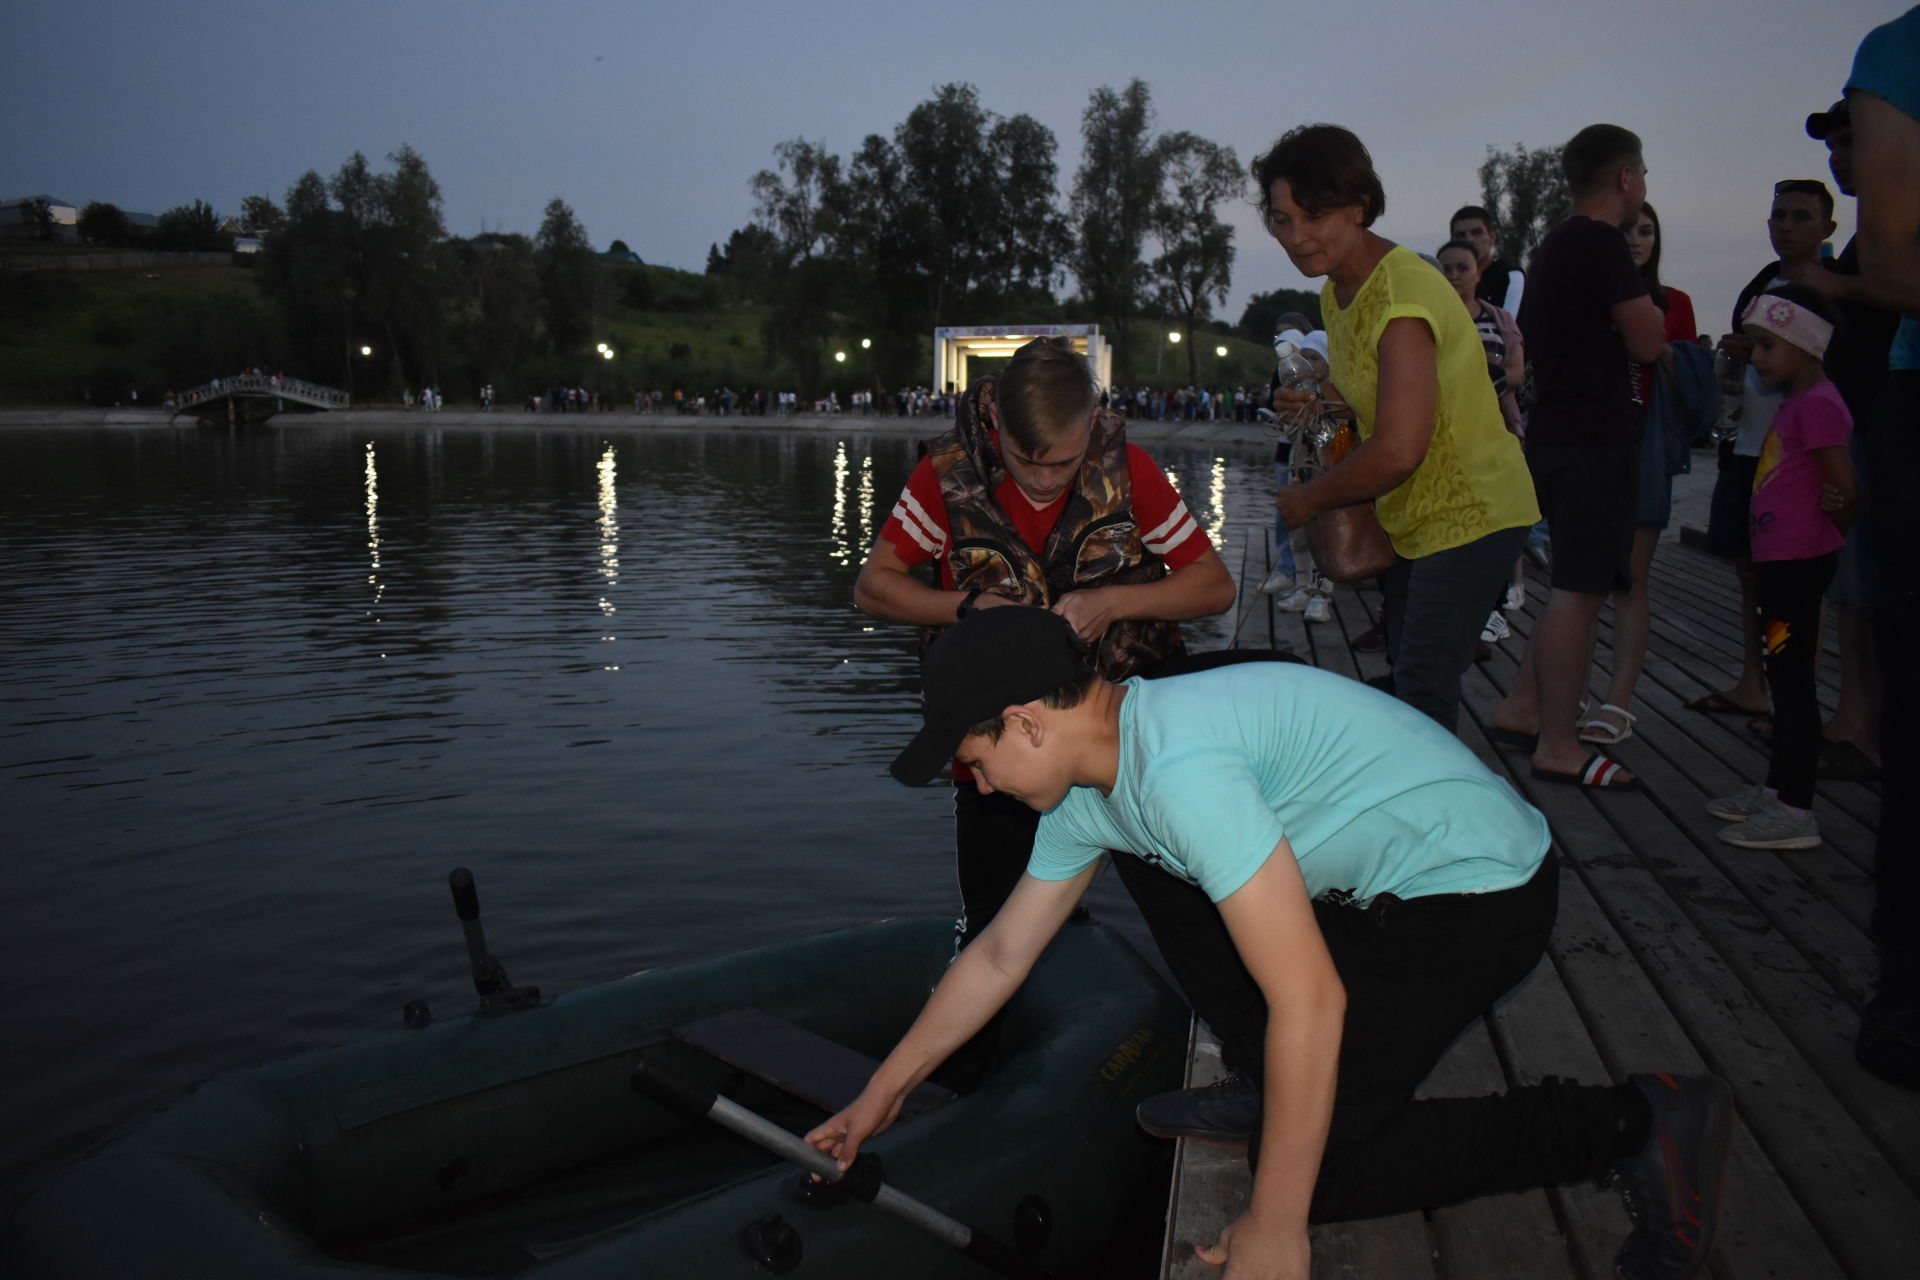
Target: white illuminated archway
955, 345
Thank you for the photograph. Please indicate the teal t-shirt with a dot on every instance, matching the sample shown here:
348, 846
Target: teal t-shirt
1373, 796
1887, 65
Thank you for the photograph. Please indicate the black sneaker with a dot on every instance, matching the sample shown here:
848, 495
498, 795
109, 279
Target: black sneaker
1224, 1111
1673, 1184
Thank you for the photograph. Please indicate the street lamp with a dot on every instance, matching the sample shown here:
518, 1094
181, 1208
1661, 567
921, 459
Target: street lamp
1221, 352
866, 344
840, 357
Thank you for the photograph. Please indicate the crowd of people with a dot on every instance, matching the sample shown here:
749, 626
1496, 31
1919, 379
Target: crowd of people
1335, 881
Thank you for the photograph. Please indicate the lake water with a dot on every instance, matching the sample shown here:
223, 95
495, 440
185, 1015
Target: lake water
262, 690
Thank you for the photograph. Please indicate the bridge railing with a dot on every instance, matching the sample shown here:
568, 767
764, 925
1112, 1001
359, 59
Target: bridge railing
263, 384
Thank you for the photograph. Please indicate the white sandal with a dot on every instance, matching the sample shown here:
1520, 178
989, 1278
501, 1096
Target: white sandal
1606, 732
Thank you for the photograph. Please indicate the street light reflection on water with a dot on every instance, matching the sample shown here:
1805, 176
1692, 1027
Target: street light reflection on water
609, 524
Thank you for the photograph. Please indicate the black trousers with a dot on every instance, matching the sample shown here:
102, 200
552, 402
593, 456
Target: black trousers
1893, 472
1417, 972
1786, 596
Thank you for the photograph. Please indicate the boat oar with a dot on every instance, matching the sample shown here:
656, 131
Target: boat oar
862, 1181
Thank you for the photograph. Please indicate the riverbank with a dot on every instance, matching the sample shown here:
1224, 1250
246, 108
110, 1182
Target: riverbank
1141, 431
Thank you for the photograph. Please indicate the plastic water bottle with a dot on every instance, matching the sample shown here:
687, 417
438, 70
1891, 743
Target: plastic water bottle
1296, 373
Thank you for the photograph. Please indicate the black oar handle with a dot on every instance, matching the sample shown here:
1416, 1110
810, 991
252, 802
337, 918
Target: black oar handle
863, 1179
675, 1088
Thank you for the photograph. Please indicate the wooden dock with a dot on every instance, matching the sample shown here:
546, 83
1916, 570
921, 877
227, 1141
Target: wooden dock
1672, 951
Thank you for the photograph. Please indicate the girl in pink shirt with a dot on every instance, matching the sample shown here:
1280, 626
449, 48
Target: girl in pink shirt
1803, 500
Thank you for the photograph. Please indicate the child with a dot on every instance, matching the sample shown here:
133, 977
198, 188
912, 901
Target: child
1803, 499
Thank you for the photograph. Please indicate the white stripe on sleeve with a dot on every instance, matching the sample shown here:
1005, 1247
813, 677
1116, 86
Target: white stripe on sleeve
913, 518
1171, 532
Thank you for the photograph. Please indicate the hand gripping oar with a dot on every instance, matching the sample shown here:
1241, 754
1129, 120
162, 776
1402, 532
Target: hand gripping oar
862, 1180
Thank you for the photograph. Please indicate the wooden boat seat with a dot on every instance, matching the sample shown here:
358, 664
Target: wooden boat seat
808, 1066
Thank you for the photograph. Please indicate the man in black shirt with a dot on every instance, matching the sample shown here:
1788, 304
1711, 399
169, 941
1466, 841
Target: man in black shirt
1586, 314
1501, 283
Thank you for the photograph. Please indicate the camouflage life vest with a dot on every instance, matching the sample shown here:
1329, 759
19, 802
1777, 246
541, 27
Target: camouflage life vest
1094, 543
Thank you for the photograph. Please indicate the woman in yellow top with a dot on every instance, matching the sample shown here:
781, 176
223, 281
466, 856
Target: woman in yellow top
1445, 475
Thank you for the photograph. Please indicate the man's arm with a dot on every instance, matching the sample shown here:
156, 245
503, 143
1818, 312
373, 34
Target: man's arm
976, 985
1408, 393
1270, 919
1886, 166
1516, 289
885, 589
1642, 326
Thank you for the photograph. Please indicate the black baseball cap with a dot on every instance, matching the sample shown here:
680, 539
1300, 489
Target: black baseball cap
988, 661
1823, 124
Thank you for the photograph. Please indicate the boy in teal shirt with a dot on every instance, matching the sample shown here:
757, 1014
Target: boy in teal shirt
1307, 846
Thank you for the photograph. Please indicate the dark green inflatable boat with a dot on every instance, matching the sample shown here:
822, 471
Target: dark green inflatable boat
514, 1143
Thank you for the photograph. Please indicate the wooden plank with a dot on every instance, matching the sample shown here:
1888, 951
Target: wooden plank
1767, 1232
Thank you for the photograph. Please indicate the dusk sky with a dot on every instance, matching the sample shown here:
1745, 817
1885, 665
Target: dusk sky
650, 118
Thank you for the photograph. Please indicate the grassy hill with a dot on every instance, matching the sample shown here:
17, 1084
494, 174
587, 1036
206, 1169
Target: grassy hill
72, 337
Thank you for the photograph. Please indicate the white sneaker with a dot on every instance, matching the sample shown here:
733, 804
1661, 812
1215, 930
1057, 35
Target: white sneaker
1316, 589
1319, 609
1276, 582
1516, 597
1496, 629
1773, 828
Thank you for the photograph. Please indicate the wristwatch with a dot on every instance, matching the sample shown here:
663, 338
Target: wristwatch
966, 606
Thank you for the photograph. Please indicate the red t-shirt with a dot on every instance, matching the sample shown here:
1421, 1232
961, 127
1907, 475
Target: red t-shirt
917, 526
1680, 328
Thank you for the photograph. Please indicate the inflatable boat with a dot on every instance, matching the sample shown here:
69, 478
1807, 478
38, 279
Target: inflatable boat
513, 1141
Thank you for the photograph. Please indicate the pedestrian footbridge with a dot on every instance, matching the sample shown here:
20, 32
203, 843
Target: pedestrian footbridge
262, 386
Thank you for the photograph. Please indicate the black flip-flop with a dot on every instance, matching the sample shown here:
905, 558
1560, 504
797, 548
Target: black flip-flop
1845, 762
1714, 702
1518, 739
1597, 774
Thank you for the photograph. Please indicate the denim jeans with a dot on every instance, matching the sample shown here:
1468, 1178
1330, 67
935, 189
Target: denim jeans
1436, 606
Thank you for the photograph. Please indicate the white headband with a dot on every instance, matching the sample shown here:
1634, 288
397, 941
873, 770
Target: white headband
1791, 321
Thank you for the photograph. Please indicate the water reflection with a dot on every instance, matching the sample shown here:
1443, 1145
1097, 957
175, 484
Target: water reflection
373, 533
842, 550
609, 526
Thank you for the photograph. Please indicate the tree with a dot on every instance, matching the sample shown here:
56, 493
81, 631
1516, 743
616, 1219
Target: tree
40, 215
1195, 266
104, 224
407, 241
1527, 194
1260, 320
260, 215
1028, 237
567, 278
1113, 197
798, 209
496, 321
794, 208
191, 228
